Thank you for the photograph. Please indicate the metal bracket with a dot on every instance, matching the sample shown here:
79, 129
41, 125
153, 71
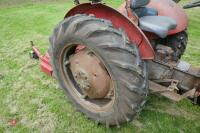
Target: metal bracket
164, 91
173, 86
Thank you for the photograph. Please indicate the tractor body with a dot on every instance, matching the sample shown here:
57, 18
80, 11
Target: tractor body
151, 32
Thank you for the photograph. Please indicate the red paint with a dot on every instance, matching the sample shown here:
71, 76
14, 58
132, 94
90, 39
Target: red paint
165, 8
119, 21
37, 52
170, 9
45, 65
13, 122
79, 48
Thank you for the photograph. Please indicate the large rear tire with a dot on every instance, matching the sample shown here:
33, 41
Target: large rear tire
120, 57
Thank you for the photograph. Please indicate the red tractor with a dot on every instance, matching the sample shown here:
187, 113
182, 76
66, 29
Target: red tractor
108, 60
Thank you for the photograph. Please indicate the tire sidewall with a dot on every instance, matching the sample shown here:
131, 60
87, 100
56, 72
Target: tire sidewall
56, 55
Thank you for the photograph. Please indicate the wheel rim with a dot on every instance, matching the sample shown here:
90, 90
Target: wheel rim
95, 102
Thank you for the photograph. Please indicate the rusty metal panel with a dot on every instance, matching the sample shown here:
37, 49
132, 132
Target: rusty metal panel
187, 79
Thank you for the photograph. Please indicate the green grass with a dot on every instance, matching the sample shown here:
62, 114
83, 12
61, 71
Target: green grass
35, 100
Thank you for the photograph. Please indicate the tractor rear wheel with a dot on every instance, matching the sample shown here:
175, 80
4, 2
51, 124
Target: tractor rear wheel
100, 70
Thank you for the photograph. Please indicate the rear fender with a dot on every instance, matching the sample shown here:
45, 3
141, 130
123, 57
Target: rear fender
119, 21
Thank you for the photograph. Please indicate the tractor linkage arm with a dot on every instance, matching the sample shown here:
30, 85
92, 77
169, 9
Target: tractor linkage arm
45, 65
181, 77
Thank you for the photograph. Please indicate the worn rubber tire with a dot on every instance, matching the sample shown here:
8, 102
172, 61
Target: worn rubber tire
120, 57
178, 43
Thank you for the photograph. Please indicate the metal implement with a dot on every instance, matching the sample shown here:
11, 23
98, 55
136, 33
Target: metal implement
173, 78
45, 65
162, 90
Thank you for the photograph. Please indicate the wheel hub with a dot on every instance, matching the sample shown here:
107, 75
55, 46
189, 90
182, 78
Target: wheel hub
82, 80
90, 74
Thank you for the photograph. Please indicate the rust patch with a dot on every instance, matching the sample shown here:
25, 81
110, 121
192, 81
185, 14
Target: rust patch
90, 74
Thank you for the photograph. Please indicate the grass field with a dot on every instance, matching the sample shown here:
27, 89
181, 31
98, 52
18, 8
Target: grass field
35, 101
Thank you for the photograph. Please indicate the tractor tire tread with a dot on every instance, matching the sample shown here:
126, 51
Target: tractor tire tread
118, 53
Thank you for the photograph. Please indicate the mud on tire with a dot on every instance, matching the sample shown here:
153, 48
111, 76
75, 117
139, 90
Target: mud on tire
120, 57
